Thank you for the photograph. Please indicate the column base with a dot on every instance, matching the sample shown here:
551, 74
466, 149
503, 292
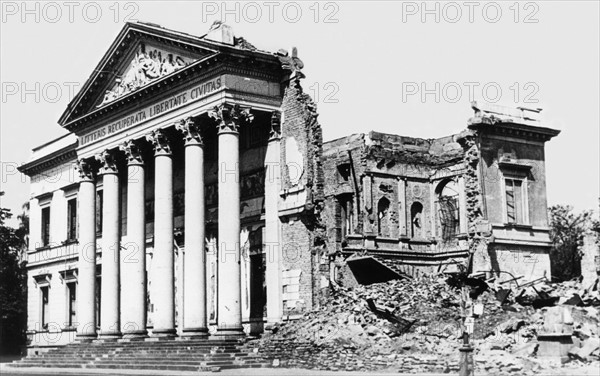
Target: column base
83, 338
195, 332
109, 335
229, 333
164, 333
135, 334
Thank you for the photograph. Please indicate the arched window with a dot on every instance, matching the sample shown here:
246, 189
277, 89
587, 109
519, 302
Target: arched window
416, 220
447, 192
383, 213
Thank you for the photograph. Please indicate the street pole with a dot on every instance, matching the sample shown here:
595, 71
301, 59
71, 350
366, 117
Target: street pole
466, 366
466, 357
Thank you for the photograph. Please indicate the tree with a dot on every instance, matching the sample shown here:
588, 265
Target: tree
566, 233
13, 287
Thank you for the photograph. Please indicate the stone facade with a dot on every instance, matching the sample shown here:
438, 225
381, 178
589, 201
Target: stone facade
194, 196
164, 211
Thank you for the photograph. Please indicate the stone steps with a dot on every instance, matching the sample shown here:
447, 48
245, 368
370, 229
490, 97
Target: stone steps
171, 355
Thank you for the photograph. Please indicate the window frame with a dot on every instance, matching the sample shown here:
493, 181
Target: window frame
44, 305
71, 318
72, 221
45, 229
524, 198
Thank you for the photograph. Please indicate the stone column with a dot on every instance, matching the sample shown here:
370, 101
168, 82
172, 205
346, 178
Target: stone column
272, 240
86, 289
229, 314
194, 283
133, 264
110, 326
163, 275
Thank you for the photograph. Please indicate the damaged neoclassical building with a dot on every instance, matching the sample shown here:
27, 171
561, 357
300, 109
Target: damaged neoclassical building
193, 195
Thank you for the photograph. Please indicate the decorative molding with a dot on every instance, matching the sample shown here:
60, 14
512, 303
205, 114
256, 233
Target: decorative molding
85, 170
133, 152
190, 130
161, 143
230, 116
275, 132
42, 279
108, 162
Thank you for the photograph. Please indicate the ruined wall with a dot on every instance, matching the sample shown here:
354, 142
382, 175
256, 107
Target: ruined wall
390, 173
302, 184
347, 153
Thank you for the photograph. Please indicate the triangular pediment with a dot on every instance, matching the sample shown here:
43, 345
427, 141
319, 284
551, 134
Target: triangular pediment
140, 55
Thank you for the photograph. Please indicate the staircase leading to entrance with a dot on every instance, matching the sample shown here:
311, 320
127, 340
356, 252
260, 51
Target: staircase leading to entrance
171, 355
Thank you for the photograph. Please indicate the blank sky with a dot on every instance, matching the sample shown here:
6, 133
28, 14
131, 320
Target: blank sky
366, 65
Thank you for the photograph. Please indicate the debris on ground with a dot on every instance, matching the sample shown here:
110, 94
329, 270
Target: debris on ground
415, 325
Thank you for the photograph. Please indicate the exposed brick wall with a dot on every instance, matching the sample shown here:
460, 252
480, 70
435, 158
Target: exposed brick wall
304, 234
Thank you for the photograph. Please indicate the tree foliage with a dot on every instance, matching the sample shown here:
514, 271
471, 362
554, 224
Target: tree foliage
13, 285
566, 233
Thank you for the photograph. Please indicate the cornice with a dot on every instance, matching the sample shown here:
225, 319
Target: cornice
57, 158
517, 130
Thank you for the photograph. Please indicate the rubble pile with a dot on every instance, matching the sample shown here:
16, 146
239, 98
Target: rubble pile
415, 325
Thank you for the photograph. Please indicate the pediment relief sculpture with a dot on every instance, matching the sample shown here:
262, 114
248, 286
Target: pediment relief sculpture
148, 64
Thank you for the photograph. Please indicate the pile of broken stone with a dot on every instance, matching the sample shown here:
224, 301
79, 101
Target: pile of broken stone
417, 324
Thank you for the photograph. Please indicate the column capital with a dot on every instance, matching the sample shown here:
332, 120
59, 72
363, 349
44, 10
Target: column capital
191, 131
161, 143
132, 151
275, 132
108, 163
85, 170
230, 116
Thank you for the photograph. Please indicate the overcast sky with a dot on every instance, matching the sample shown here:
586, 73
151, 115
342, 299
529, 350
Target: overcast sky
394, 67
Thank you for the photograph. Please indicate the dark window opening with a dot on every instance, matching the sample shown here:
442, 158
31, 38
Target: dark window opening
344, 172
45, 226
383, 220
99, 205
44, 309
72, 219
416, 221
98, 301
72, 303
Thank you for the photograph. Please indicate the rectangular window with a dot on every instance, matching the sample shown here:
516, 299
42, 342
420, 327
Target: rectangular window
345, 215
99, 212
72, 219
44, 309
72, 303
514, 201
45, 226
